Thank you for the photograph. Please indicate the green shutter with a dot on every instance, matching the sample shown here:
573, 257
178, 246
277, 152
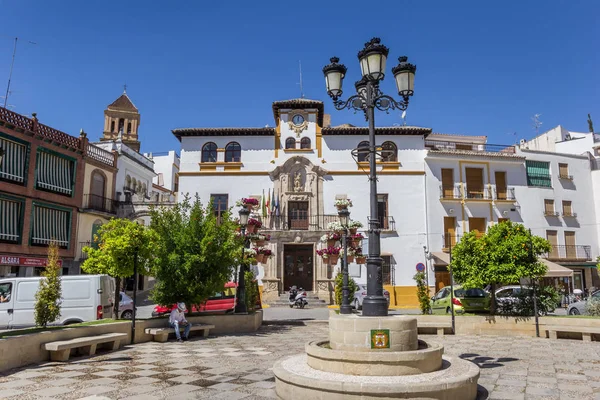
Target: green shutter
538, 173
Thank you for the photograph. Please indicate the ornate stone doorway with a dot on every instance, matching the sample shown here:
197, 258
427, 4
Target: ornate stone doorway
298, 266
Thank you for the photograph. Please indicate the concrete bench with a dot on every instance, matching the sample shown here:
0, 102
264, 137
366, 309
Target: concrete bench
61, 350
586, 331
438, 326
162, 334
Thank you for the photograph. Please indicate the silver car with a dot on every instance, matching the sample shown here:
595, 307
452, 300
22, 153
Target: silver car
125, 306
360, 294
579, 307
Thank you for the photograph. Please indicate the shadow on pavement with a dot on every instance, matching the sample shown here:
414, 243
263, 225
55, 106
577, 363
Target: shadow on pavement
486, 362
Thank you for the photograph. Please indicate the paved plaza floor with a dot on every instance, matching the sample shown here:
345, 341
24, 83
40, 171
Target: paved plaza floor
239, 367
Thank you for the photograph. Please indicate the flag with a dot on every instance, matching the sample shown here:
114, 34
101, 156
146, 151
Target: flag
273, 205
277, 206
262, 205
268, 209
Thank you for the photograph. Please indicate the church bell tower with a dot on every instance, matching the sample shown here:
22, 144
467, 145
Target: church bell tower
122, 121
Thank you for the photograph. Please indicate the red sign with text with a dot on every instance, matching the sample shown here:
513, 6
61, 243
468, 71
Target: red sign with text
25, 261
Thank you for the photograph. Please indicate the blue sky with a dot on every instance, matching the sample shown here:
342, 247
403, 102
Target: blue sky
483, 68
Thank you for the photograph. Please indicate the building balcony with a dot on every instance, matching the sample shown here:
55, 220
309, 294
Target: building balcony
548, 213
312, 222
569, 215
504, 194
99, 203
570, 253
438, 145
451, 192
565, 177
478, 194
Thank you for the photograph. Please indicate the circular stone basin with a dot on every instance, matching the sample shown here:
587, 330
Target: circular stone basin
427, 358
295, 379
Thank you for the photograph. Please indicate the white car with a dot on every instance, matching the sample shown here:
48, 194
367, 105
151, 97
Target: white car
360, 294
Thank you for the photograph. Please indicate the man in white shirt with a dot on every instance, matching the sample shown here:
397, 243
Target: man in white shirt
177, 319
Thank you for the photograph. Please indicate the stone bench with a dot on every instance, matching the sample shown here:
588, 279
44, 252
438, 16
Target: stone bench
586, 331
162, 334
438, 326
61, 350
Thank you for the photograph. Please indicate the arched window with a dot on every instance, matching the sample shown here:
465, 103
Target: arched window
128, 182
233, 152
129, 127
97, 190
290, 143
209, 152
112, 126
363, 151
121, 124
143, 190
133, 184
389, 151
305, 143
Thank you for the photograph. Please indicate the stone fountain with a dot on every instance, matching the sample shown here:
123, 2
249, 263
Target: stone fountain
375, 358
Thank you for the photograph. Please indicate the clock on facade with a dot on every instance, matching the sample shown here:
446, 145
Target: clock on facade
297, 119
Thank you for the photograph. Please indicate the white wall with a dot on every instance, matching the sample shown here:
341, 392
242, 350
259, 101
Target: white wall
168, 166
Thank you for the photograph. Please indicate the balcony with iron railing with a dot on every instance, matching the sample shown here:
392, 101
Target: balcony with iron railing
312, 222
504, 194
478, 193
551, 213
451, 191
565, 177
99, 203
569, 253
438, 145
569, 214
82, 255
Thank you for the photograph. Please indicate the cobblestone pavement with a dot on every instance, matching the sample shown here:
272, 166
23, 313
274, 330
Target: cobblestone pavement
239, 366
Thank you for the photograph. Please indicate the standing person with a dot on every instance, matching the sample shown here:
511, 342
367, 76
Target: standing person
177, 319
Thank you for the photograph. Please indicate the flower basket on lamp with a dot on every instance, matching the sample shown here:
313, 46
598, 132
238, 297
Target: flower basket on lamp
350, 255
359, 257
259, 256
342, 204
331, 239
335, 227
259, 240
266, 254
253, 225
354, 226
356, 239
250, 255
247, 202
331, 254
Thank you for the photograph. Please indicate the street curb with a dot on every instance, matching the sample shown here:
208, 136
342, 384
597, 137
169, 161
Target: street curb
295, 321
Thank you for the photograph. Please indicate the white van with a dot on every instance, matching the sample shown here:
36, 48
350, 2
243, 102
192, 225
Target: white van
84, 298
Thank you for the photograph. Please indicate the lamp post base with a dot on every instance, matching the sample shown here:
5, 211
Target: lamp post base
375, 306
346, 309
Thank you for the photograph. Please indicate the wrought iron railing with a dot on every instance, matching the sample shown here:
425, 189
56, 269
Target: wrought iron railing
551, 213
99, 203
570, 253
566, 177
569, 214
313, 222
478, 194
505, 193
460, 146
450, 192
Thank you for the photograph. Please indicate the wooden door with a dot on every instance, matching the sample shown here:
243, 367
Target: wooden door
448, 183
442, 279
298, 215
298, 267
500, 185
474, 183
449, 232
477, 224
552, 237
549, 207
571, 250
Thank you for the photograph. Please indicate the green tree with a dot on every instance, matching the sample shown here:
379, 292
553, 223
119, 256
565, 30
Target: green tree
339, 283
504, 255
251, 290
120, 243
197, 253
47, 298
423, 293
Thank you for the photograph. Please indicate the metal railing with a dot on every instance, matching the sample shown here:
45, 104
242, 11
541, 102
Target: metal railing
99, 203
506, 193
313, 222
82, 255
569, 214
478, 194
100, 155
570, 253
387, 223
548, 213
461, 146
565, 177
451, 192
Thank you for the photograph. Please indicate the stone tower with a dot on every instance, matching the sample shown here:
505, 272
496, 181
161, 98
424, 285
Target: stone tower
121, 118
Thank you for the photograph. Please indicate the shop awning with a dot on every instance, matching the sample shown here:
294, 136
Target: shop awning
555, 270
441, 258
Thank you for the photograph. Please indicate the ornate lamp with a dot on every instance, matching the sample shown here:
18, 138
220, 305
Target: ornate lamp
404, 73
334, 77
372, 60
244, 214
344, 216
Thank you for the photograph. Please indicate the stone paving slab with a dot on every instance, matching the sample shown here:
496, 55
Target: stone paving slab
240, 367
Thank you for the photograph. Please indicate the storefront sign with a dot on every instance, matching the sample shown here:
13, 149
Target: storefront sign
25, 261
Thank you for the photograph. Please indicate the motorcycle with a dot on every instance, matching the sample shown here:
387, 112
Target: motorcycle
297, 297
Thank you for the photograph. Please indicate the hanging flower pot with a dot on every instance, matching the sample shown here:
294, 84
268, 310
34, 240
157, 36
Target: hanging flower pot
350, 258
342, 204
331, 242
354, 226
353, 231
260, 258
334, 258
361, 259
259, 243
250, 228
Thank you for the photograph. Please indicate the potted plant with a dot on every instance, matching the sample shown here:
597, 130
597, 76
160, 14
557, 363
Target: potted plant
350, 256
250, 255
354, 226
267, 253
355, 239
259, 239
247, 202
336, 227
332, 254
342, 204
359, 257
331, 238
253, 225
259, 255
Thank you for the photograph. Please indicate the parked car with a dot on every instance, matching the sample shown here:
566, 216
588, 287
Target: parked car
84, 298
465, 300
360, 294
579, 307
223, 301
125, 306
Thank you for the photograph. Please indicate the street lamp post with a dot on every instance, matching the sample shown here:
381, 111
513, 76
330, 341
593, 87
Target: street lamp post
372, 63
345, 307
240, 305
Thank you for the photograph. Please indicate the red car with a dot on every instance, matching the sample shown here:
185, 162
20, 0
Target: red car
220, 302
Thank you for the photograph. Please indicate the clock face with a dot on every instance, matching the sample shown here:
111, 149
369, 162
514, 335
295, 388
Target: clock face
297, 119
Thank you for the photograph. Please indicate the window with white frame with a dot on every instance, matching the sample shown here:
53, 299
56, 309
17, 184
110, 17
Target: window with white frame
50, 224
55, 173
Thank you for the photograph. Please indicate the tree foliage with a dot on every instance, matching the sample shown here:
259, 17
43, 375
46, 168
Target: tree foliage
197, 252
339, 283
504, 255
423, 293
47, 298
251, 289
120, 241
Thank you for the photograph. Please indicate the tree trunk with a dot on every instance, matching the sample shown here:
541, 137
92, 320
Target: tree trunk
493, 299
117, 293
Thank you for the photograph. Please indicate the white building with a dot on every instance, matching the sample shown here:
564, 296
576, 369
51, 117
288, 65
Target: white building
432, 189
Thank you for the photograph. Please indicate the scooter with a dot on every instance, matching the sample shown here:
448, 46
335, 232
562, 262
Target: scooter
297, 297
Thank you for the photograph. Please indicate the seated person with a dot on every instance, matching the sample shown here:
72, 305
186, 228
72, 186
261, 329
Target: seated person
177, 319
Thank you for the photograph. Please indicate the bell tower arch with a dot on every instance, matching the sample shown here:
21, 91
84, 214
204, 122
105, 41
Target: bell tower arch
122, 120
